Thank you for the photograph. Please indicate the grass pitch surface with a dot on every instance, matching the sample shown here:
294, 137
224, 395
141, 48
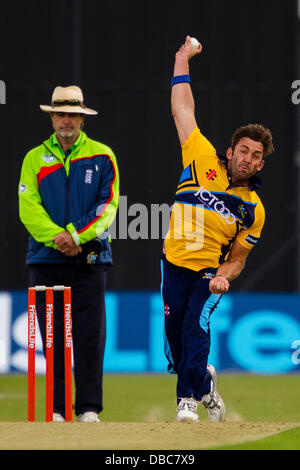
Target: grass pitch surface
140, 413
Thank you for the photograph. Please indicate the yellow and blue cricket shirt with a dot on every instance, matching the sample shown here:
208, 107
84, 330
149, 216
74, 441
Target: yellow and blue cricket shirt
209, 212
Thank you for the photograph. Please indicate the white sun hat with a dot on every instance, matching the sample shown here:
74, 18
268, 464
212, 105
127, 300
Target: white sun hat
67, 99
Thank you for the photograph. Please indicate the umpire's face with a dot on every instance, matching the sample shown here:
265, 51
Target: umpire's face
67, 125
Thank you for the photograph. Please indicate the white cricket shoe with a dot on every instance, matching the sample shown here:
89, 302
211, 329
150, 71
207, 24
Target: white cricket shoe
187, 410
88, 417
58, 418
212, 401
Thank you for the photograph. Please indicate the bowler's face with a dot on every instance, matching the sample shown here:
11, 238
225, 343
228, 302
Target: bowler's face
67, 125
246, 159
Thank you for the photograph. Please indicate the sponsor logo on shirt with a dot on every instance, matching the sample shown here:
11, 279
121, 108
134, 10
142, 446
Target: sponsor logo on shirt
88, 176
243, 210
214, 203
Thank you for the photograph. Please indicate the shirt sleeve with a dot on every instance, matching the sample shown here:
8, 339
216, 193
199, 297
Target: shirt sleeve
31, 211
249, 237
196, 146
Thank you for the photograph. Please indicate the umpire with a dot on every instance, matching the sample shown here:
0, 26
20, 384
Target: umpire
68, 198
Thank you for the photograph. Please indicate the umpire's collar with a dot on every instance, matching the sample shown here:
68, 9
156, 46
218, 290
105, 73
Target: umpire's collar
254, 182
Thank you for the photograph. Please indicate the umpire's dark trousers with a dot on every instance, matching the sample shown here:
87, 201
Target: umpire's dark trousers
88, 283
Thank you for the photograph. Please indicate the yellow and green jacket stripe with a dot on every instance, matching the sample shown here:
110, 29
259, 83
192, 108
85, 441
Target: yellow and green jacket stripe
78, 192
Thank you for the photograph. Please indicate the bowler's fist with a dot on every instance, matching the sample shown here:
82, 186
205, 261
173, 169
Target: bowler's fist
219, 285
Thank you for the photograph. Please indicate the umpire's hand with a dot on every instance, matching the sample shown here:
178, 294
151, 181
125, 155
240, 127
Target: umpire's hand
65, 244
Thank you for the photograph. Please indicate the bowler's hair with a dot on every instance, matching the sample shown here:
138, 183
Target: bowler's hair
256, 132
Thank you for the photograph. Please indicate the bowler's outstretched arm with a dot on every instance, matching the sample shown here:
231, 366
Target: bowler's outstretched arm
182, 101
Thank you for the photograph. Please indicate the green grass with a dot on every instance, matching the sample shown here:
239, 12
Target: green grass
262, 398
286, 440
247, 397
139, 398
152, 398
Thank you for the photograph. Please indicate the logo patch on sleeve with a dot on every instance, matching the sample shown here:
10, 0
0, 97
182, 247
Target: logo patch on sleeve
48, 158
251, 239
22, 188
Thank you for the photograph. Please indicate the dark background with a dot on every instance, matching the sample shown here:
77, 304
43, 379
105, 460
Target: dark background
121, 53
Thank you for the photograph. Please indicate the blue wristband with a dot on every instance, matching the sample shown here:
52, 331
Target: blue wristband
180, 79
